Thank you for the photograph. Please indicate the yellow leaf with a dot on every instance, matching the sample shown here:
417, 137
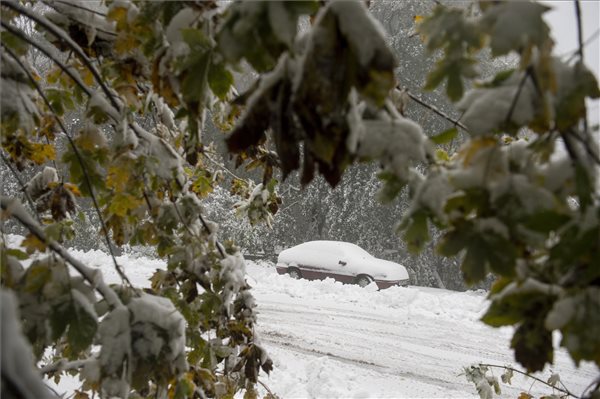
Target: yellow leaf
441, 155
52, 76
80, 395
474, 147
87, 76
525, 395
130, 93
125, 43
73, 189
41, 153
118, 177
119, 15
31, 244
418, 19
123, 203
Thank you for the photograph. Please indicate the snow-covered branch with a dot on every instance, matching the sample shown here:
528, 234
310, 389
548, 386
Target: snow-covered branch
15, 209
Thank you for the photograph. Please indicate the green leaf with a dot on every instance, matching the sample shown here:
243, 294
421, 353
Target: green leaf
500, 253
17, 254
83, 324
196, 39
499, 78
583, 186
545, 221
454, 87
435, 77
575, 84
445, 137
16, 44
194, 84
474, 263
454, 241
416, 231
392, 186
532, 343
579, 315
37, 275
60, 317
219, 80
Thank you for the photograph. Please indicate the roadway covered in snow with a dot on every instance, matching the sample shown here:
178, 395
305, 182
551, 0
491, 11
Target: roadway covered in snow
329, 340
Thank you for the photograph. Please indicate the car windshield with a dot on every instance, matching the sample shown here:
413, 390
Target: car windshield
355, 250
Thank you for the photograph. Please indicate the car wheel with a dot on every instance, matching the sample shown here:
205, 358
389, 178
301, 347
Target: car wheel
294, 273
363, 281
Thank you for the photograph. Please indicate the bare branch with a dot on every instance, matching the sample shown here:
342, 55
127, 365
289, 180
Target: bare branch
437, 111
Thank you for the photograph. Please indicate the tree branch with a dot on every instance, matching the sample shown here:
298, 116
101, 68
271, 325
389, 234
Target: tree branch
47, 52
93, 276
23, 188
54, 7
70, 4
565, 391
437, 111
580, 52
86, 176
63, 365
513, 105
61, 34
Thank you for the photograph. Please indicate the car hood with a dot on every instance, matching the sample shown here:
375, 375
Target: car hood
384, 269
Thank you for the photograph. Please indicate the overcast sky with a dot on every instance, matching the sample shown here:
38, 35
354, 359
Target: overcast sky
563, 23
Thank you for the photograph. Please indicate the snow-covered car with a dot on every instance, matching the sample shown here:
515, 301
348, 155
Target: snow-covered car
343, 261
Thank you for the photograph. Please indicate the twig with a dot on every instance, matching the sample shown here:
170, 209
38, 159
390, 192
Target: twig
23, 188
437, 111
78, 6
580, 52
266, 387
513, 105
93, 276
63, 365
53, 6
81, 163
565, 391
594, 385
225, 169
60, 34
47, 52
586, 146
574, 53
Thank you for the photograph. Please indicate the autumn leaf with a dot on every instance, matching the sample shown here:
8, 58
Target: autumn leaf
32, 244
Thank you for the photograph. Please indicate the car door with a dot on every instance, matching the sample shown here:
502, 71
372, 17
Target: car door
309, 259
332, 261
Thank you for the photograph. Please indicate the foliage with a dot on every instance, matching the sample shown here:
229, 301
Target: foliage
509, 206
487, 384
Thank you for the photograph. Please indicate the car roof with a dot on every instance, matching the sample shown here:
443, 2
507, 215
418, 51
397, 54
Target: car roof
332, 244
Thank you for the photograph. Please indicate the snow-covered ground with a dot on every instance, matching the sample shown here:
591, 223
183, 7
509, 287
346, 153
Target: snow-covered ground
329, 340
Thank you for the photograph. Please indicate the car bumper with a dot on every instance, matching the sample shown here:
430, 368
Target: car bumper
383, 284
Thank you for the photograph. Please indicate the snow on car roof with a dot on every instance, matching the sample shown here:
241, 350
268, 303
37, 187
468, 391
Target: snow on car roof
346, 247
